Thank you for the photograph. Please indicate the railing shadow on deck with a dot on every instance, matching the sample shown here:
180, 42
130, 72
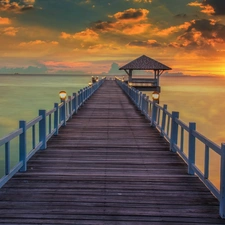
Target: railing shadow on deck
171, 128
42, 128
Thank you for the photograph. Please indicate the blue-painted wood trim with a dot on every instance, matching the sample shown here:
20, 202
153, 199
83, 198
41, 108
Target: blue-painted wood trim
42, 129
174, 131
206, 164
33, 122
11, 136
222, 181
33, 136
191, 148
56, 118
23, 146
7, 158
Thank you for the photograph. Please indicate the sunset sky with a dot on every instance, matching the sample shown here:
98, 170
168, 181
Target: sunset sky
87, 36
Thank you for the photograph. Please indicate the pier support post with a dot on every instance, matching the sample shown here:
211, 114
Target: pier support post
222, 182
42, 129
174, 131
191, 148
23, 146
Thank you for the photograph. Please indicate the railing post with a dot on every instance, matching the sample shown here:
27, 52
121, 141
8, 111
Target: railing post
143, 104
140, 100
146, 107
75, 103
7, 158
42, 129
79, 99
154, 113
191, 148
70, 106
23, 146
56, 118
63, 112
82, 96
222, 181
163, 120
136, 97
174, 131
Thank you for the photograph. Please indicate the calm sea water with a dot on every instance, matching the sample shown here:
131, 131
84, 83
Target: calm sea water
198, 99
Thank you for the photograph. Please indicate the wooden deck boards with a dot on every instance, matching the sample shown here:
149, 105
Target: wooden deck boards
106, 167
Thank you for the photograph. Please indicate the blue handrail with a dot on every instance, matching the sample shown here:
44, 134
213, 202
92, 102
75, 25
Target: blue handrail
48, 124
172, 129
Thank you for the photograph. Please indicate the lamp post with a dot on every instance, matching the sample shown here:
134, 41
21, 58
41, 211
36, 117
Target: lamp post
62, 95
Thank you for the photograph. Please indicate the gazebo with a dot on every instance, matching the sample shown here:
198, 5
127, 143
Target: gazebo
145, 63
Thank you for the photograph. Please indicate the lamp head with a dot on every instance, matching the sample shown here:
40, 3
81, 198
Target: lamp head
155, 96
62, 95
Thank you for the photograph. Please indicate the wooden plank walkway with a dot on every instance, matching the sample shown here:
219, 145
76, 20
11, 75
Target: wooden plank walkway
107, 167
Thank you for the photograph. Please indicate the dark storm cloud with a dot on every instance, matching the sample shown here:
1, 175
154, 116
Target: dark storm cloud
102, 25
203, 33
130, 14
181, 15
209, 29
218, 5
14, 6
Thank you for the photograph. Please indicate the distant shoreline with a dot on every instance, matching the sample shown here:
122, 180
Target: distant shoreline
111, 75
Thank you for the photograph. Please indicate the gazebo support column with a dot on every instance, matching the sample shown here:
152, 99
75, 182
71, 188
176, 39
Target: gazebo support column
129, 73
156, 76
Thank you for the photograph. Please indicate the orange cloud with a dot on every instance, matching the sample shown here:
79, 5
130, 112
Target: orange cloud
206, 8
144, 44
4, 21
10, 31
135, 29
37, 43
100, 47
29, 2
55, 66
173, 29
144, 1
85, 35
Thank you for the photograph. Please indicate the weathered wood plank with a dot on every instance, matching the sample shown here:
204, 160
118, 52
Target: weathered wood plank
107, 166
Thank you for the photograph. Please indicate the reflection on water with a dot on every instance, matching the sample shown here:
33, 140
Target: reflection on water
197, 99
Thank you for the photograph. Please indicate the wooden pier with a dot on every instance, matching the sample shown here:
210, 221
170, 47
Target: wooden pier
106, 167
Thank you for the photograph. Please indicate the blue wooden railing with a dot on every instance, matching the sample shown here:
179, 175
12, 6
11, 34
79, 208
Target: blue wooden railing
173, 130
42, 128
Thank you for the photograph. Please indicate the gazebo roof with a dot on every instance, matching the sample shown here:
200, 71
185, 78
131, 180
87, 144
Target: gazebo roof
144, 63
